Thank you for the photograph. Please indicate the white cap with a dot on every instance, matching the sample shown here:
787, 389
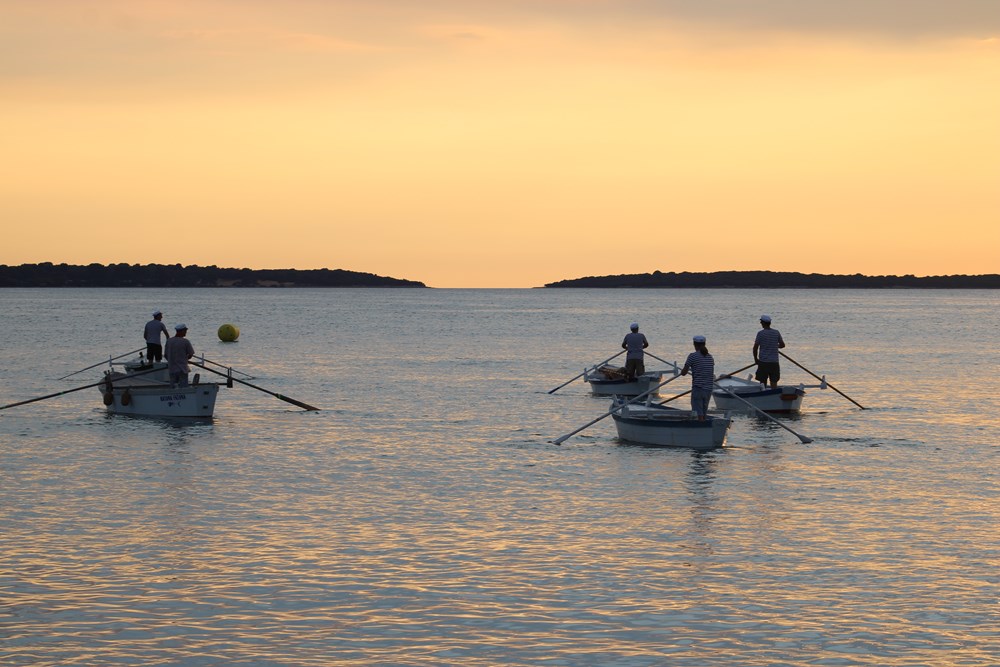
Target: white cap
181, 327
699, 339
765, 318
157, 312
634, 325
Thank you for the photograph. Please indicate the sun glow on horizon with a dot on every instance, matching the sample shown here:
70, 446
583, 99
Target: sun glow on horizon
506, 149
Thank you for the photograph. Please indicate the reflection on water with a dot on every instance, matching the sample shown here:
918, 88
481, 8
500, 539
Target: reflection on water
703, 505
424, 518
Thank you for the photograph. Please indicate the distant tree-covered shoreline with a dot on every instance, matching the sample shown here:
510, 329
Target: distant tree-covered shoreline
47, 274
772, 279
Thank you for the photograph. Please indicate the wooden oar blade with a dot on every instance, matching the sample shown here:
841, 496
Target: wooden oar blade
304, 406
822, 379
802, 438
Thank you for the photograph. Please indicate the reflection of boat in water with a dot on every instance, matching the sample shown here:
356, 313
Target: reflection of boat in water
668, 427
141, 388
786, 398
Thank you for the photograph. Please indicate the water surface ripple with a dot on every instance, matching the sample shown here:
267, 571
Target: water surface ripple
423, 517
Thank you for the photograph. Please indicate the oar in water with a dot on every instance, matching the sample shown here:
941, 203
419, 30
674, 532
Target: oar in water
304, 406
822, 380
70, 391
801, 437
109, 360
560, 440
552, 391
728, 375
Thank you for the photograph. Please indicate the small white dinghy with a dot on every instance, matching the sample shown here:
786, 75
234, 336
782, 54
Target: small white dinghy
607, 380
783, 399
143, 389
662, 426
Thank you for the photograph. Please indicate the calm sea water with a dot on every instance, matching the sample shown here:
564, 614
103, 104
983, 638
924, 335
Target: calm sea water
423, 516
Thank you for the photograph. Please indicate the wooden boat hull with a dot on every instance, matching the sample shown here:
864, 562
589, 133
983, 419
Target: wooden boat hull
785, 399
191, 401
144, 390
601, 385
667, 427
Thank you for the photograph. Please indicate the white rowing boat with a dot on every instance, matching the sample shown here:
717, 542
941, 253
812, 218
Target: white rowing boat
662, 426
783, 399
144, 389
612, 381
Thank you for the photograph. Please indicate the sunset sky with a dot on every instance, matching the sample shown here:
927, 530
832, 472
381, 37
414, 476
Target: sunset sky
489, 143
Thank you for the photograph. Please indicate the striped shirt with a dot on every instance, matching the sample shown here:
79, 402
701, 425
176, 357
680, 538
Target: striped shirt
702, 368
768, 340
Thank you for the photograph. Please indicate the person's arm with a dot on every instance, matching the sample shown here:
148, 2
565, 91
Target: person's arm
645, 343
756, 346
781, 342
625, 343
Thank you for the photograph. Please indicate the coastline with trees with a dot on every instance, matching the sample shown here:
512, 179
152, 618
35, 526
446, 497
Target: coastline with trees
47, 274
780, 279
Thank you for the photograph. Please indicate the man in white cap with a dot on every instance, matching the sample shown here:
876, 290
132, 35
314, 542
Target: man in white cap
635, 343
765, 353
154, 327
701, 365
179, 350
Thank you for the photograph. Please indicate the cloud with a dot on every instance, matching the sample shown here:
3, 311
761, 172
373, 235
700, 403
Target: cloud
896, 19
888, 18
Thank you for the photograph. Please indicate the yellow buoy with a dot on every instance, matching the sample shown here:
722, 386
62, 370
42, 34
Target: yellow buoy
228, 333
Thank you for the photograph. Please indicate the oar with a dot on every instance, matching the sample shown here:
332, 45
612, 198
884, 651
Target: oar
552, 391
560, 440
672, 398
729, 375
668, 363
215, 363
101, 362
304, 406
821, 380
70, 391
801, 437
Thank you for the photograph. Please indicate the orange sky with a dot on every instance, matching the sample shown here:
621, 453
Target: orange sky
476, 143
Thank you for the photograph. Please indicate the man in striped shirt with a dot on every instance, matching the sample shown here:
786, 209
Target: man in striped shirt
765, 352
702, 367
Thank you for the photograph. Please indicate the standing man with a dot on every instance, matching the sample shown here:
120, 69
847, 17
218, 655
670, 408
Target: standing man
179, 350
154, 327
702, 367
765, 353
635, 343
